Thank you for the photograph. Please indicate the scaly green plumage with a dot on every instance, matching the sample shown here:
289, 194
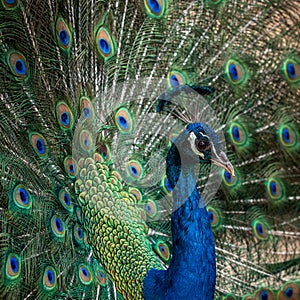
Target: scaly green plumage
112, 217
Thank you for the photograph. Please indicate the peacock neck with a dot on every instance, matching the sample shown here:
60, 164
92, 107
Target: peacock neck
192, 270
193, 251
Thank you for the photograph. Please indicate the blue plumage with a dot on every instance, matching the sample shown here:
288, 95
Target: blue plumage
192, 270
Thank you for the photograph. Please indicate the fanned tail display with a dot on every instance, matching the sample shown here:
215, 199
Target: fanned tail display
150, 149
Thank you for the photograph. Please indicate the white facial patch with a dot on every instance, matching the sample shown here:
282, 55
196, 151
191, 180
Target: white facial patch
192, 138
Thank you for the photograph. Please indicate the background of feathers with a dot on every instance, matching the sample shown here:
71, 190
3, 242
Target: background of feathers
54, 69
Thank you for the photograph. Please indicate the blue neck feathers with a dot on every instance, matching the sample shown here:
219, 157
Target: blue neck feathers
192, 270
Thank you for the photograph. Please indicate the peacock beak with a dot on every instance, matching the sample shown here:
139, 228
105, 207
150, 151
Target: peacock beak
222, 161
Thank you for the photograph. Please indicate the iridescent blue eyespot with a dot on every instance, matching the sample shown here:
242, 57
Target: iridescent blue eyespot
105, 43
123, 120
162, 249
18, 64
228, 179
57, 226
13, 266
123, 123
176, 78
63, 33
87, 108
260, 230
228, 176
85, 274
67, 199
65, 118
39, 144
150, 208
20, 67
288, 292
86, 140
168, 185
70, 166
291, 70
265, 294
174, 81
287, 136
236, 72
10, 4
87, 112
64, 37
22, 197
275, 189
101, 276
215, 217
49, 278
78, 233
155, 8
134, 169
165, 185
238, 134
104, 46
233, 72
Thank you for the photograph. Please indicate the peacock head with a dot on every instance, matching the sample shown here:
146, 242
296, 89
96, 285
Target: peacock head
200, 143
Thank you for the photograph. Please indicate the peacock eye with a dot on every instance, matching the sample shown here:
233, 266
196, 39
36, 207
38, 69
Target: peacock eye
202, 145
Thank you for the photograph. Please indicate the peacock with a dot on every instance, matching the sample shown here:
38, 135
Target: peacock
150, 149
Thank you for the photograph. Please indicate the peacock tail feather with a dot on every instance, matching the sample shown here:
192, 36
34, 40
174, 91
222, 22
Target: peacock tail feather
94, 93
